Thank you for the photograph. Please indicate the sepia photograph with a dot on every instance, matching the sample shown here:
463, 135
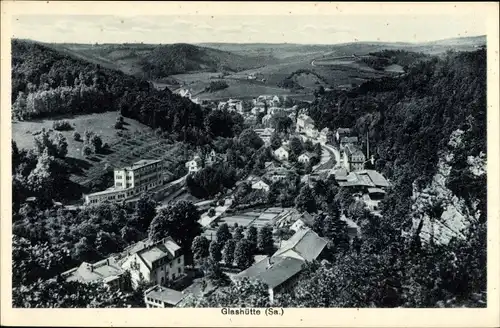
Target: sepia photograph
251, 162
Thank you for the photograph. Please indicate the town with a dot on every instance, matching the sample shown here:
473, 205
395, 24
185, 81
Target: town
149, 174
329, 156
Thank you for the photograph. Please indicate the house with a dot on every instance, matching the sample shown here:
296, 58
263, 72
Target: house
325, 136
267, 120
212, 157
342, 132
194, 165
260, 185
305, 158
131, 181
353, 158
304, 123
162, 297
185, 93
154, 262
304, 221
235, 105
281, 153
277, 174
346, 140
280, 271
107, 271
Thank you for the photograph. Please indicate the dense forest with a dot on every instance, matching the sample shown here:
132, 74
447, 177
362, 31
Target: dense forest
381, 59
181, 58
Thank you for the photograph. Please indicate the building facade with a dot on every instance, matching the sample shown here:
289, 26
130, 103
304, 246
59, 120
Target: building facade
154, 263
131, 181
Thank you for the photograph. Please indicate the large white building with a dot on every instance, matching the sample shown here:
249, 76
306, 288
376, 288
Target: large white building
154, 263
131, 181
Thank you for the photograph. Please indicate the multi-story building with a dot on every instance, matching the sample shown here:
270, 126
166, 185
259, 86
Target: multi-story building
131, 181
281, 153
154, 262
304, 124
325, 136
353, 158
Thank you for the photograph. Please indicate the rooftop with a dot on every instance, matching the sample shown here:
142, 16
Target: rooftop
273, 271
377, 178
164, 294
343, 130
150, 251
106, 270
304, 244
349, 139
142, 163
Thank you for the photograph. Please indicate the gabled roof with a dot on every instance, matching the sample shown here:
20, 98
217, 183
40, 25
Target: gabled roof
149, 252
343, 130
377, 178
272, 271
305, 243
281, 148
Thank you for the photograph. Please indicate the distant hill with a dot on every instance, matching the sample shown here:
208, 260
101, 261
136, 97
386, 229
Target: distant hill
160, 61
181, 58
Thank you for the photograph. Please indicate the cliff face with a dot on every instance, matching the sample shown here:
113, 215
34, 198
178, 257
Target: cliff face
441, 214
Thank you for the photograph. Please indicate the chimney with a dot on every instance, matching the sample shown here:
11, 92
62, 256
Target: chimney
367, 146
107, 261
91, 267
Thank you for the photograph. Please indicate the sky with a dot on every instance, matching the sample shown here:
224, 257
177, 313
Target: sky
305, 29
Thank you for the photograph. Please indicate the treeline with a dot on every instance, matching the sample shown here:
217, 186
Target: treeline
381, 59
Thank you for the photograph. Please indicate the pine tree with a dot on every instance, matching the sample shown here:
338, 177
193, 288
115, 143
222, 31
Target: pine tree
215, 251
223, 234
243, 254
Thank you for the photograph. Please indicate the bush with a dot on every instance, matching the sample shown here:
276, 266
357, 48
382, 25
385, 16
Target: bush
77, 136
86, 150
216, 86
211, 212
118, 125
62, 125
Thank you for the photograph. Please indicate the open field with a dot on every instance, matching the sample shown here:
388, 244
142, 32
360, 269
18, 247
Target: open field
102, 124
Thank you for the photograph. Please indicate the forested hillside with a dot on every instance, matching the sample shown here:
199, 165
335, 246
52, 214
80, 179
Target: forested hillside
182, 58
47, 83
434, 114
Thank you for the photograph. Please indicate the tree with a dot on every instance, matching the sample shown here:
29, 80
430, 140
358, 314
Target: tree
199, 248
305, 201
241, 294
215, 251
275, 141
318, 150
86, 150
77, 136
179, 221
96, 143
296, 146
250, 139
228, 252
223, 234
243, 254
129, 234
336, 231
215, 275
265, 240
105, 243
238, 233
251, 237
145, 209
41, 180
61, 145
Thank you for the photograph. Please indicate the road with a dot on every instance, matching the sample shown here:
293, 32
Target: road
335, 151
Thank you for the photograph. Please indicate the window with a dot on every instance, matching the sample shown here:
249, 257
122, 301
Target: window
179, 270
179, 260
173, 275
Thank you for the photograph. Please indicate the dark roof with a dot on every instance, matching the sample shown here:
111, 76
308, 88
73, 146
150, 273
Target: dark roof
377, 178
343, 130
349, 139
280, 270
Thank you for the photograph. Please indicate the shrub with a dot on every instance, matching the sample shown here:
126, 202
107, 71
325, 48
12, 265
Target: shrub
77, 136
118, 125
211, 212
86, 150
62, 125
